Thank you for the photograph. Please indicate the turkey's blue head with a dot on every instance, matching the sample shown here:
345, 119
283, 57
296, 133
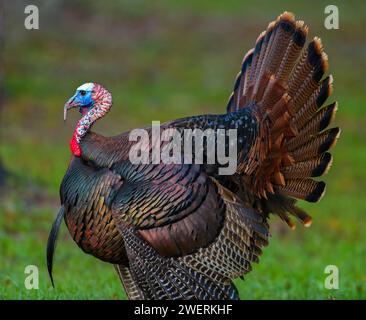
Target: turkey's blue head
82, 99
93, 102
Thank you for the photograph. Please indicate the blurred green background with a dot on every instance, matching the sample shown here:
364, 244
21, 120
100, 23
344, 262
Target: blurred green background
164, 60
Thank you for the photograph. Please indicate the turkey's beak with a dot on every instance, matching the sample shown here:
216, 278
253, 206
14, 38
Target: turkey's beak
69, 105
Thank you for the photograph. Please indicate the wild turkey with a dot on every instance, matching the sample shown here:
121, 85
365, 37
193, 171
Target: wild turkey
182, 231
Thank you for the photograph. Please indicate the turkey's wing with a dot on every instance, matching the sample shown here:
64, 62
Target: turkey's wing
176, 208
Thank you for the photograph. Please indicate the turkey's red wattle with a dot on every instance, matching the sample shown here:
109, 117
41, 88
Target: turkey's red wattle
74, 145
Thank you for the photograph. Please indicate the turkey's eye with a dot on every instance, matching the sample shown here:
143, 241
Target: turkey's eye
83, 93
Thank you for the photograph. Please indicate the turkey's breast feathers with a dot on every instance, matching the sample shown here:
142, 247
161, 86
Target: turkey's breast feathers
86, 193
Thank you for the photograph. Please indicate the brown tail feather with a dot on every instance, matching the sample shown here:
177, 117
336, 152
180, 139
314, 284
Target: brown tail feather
305, 84
315, 167
318, 123
293, 50
321, 143
306, 189
315, 102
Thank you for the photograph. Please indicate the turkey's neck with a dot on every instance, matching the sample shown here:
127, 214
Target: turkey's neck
103, 102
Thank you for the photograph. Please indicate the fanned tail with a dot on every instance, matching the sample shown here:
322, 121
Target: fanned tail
282, 82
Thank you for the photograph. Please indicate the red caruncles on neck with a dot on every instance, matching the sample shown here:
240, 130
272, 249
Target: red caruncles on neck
102, 103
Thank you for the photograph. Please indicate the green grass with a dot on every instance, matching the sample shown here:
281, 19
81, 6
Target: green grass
161, 62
